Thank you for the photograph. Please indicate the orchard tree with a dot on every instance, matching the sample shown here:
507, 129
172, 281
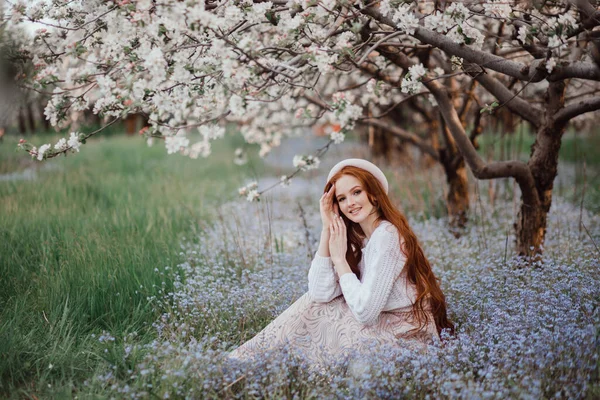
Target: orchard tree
277, 67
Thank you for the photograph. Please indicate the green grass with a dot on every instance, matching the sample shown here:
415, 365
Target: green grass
575, 147
79, 245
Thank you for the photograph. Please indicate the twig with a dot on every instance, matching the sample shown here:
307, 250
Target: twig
319, 153
591, 238
306, 230
582, 197
383, 39
84, 138
234, 382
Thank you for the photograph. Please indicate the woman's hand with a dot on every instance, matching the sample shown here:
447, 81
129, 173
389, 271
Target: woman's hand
338, 243
329, 209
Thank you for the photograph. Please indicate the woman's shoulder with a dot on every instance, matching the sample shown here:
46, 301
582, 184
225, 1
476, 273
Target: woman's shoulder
386, 231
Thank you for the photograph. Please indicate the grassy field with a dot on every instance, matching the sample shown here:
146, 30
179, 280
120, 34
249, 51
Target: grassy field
79, 244
80, 241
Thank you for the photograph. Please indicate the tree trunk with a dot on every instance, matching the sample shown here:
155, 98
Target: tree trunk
531, 230
30, 117
531, 221
21, 120
457, 200
543, 163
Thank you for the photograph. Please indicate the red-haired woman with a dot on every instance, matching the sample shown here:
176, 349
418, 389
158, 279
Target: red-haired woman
369, 280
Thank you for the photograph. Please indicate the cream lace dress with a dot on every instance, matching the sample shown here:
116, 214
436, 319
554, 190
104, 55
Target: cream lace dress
338, 315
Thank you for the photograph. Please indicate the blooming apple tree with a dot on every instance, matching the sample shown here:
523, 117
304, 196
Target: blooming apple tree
274, 68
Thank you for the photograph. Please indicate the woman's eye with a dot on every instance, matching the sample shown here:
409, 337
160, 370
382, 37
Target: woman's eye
357, 193
340, 200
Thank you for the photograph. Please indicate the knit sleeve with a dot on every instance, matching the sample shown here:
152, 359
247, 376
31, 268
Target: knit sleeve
323, 284
367, 299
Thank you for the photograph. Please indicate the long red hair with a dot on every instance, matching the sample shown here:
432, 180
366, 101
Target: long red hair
418, 270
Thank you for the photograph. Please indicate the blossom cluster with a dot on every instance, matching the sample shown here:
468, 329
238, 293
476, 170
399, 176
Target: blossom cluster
63, 146
306, 162
250, 191
412, 80
189, 65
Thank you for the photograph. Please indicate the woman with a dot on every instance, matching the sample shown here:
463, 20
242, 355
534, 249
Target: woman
368, 282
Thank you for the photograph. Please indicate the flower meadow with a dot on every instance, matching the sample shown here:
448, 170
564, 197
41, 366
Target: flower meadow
524, 331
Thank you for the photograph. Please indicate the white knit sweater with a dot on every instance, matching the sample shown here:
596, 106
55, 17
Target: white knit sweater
383, 285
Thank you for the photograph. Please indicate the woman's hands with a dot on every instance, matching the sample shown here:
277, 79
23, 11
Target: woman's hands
338, 245
333, 237
329, 209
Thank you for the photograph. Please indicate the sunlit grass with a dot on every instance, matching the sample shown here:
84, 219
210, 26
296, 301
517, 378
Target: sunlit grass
80, 242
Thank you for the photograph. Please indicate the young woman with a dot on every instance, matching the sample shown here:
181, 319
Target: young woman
368, 282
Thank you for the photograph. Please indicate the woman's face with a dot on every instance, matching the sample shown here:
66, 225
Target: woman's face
352, 199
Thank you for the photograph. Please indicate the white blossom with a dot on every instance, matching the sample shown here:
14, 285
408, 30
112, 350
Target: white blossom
522, 36
457, 12
42, 150
567, 21
550, 64
252, 195
285, 181
405, 19
306, 162
417, 71
556, 42
198, 149
61, 145
74, 142
177, 142
497, 8
337, 136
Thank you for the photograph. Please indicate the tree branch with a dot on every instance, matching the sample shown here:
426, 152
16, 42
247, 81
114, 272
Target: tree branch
581, 70
515, 104
404, 135
504, 169
512, 68
573, 110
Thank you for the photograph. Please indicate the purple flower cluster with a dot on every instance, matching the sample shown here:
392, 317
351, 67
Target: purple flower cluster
523, 330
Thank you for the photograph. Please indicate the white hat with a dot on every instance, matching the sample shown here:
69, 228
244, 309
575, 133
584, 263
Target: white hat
362, 164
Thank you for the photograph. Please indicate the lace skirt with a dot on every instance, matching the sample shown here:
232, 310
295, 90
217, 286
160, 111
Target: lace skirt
322, 330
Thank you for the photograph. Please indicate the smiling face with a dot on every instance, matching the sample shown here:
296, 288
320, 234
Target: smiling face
353, 200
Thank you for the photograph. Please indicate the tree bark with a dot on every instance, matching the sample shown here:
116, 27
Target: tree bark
543, 164
457, 199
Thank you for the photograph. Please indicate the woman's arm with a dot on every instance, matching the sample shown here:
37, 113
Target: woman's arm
382, 268
323, 285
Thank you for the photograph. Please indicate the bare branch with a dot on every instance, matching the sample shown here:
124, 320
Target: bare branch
514, 103
404, 135
393, 106
505, 169
448, 139
377, 74
581, 70
591, 15
573, 110
380, 41
476, 130
317, 102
